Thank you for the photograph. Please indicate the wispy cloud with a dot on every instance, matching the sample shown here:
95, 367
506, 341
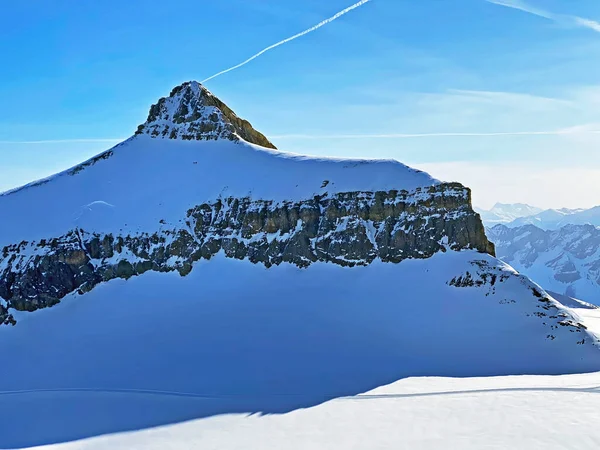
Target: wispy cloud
563, 19
63, 141
522, 6
285, 41
510, 182
563, 132
588, 23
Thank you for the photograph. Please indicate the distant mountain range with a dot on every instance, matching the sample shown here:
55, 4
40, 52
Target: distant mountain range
506, 213
566, 261
557, 248
518, 214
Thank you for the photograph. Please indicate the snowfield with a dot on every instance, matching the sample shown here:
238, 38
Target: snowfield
143, 181
517, 413
160, 349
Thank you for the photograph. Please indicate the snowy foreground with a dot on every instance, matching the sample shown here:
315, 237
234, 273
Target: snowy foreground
513, 412
525, 412
273, 359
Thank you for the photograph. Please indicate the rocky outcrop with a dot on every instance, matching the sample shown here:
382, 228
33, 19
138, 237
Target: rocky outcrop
348, 229
191, 112
553, 317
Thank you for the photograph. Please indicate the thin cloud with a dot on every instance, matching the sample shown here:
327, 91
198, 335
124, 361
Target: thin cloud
570, 131
285, 41
588, 23
558, 18
62, 141
521, 6
511, 181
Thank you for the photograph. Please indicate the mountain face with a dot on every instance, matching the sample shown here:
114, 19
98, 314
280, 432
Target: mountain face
503, 213
193, 261
329, 215
348, 229
566, 260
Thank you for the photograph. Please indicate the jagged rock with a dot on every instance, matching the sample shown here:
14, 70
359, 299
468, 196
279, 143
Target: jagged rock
354, 225
347, 229
191, 112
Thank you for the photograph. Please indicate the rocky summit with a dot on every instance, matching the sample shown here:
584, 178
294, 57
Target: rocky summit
203, 198
192, 112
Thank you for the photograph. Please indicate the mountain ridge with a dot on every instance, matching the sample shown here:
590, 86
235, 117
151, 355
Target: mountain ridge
506, 212
565, 260
214, 192
553, 219
519, 214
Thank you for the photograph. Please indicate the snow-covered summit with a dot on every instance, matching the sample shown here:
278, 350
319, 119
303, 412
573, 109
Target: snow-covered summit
554, 219
192, 112
189, 262
192, 150
505, 213
160, 203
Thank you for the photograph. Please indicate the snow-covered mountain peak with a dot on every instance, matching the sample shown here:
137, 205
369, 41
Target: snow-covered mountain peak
505, 213
192, 112
516, 208
190, 263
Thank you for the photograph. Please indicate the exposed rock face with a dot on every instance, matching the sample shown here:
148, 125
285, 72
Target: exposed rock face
566, 260
484, 276
348, 229
351, 228
191, 112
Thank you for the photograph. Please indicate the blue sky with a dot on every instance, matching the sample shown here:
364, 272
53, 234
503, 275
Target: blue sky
76, 72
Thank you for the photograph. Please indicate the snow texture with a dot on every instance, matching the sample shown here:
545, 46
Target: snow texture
235, 338
517, 413
142, 181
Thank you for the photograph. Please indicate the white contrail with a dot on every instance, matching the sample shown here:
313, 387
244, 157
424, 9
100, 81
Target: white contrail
285, 41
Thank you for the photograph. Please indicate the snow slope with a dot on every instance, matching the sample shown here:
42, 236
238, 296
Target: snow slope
517, 413
145, 180
236, 338
571, 302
